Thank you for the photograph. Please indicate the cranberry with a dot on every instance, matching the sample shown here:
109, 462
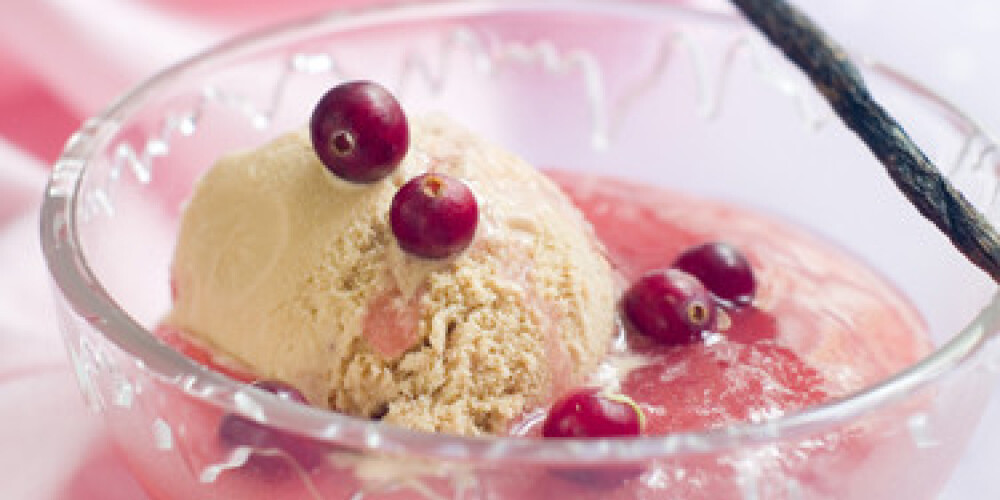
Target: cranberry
273, 449
590, 414
359, 131
434, 216
669, 305
722, 268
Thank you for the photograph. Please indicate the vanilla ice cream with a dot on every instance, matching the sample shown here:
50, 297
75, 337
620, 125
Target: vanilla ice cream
296, 274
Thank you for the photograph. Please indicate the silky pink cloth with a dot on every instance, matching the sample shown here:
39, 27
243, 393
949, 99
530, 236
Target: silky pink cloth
63, 60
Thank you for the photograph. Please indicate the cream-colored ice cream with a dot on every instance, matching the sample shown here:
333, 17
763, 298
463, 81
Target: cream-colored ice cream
297, 275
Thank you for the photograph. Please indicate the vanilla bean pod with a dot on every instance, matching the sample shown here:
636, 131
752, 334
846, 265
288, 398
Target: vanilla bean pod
838, 79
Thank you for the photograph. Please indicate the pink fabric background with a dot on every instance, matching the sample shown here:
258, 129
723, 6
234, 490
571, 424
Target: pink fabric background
63, 60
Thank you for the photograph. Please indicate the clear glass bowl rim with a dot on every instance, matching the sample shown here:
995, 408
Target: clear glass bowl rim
88, 299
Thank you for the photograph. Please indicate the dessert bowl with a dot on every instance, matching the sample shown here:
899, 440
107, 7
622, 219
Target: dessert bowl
664, 95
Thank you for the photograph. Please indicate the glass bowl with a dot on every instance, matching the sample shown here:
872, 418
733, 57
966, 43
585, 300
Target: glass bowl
659, 93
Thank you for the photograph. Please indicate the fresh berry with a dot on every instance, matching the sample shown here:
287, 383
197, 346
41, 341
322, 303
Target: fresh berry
274, 451
590, 414
722, 268
434, 216
669, 305
359, 131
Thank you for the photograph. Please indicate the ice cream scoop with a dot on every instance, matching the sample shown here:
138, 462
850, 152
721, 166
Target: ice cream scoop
297, 275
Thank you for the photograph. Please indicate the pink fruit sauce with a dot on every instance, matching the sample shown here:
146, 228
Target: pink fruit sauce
820, 327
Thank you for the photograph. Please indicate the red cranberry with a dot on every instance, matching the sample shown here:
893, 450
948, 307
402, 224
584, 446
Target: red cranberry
590, 414
722, 268
669, 305
273, 449
434, 216
359, 131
